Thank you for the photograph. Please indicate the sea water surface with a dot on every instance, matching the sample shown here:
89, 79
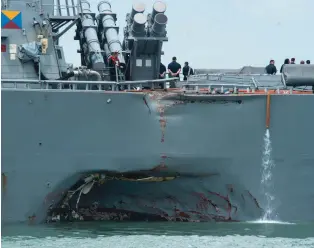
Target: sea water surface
160, 234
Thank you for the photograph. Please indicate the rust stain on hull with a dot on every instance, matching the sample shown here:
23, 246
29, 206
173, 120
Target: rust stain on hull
4, 182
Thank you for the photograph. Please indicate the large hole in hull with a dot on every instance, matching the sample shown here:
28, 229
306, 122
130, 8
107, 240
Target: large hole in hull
155, 196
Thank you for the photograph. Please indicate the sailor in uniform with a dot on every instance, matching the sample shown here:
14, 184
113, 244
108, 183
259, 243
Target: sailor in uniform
187, 71
174, 69
114, 64
162, 74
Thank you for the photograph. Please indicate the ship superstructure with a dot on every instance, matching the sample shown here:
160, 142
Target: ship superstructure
76, 146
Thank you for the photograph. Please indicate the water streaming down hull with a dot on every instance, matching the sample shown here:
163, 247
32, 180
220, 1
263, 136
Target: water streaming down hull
267, 180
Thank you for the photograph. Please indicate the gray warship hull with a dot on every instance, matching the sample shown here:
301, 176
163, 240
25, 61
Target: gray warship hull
72, 150
50, 138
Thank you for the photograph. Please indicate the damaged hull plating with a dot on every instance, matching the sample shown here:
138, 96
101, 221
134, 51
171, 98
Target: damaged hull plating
212, 146
168, 198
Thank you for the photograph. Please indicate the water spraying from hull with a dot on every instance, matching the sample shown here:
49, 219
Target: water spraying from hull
267, 182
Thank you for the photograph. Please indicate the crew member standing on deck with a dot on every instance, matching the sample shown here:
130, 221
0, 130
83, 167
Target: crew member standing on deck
271, 68
292, 61
162, 74
114, 64
162, 71
174, 69
287, 62
187, 71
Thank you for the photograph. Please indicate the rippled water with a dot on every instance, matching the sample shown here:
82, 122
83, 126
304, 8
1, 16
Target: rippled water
163, 234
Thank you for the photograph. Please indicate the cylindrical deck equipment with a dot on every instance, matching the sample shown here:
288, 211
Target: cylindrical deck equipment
110, 29
137, 8
91, 37
138, 25
158, 8
159, 26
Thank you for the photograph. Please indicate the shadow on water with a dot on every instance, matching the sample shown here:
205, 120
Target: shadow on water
96, 229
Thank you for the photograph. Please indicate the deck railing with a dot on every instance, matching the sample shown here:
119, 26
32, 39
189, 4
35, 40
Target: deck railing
77, 85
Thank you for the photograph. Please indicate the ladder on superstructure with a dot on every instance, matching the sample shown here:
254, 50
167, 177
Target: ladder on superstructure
64, 12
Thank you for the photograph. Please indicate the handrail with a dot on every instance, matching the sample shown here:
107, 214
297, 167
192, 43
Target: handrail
222, 76
283, 80
229, 74
75, 8
209, 86
220, 84
220, 79
206, 74
254, 82
9, 80
60, 83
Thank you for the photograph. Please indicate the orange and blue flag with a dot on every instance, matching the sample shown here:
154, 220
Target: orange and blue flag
11, 19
